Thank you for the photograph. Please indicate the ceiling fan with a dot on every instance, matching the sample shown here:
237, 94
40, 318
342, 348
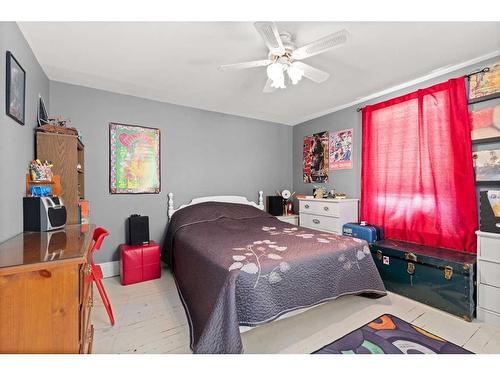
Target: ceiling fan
285, 57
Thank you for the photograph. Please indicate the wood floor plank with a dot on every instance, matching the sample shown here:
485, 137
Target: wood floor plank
150, 318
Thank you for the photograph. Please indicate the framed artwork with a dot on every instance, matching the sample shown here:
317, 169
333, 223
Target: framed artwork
485, 85
487, 165
341, 149
15, 89
134, 159
315, 154
485, 124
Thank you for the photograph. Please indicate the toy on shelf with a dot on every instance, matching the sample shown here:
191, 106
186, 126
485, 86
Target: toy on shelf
41, 171
40, 181
319, 192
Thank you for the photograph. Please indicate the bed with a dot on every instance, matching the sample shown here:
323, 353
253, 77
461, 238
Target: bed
235, 265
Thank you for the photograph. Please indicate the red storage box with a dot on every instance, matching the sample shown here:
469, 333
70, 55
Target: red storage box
139, 263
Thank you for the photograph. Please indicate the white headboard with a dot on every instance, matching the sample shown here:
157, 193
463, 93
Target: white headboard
221, 198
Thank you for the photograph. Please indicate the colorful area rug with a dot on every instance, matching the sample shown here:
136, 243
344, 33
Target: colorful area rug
390, 335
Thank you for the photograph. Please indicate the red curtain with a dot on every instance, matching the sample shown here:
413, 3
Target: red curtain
417, 170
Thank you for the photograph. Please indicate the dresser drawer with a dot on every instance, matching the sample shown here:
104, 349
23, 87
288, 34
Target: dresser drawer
489, 273
488, 316
489, 297
327, 223
320, 208
489, 248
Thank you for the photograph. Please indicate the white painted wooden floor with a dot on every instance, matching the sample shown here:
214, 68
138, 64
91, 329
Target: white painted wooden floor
150, 319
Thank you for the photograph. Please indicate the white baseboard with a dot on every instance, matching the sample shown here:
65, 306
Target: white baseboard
110, 269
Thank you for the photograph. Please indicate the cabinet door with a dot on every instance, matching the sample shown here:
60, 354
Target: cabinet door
39, 311
61, 150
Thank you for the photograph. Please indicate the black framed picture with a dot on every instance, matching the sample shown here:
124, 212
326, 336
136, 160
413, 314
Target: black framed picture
15, 89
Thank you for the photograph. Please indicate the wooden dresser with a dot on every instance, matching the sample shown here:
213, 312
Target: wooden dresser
46, 293
327, 214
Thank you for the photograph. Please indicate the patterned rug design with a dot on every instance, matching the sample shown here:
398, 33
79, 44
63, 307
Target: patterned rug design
390, 335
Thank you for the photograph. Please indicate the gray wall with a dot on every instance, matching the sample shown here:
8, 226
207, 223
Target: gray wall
202, 153
17, 141
349, 181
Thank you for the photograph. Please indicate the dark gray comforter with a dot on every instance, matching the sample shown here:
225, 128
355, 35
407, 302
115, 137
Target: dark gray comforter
237, 265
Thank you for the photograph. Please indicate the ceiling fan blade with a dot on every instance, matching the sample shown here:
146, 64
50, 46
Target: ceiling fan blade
312, 73
268, 88
321, 45
269, 33
245, 65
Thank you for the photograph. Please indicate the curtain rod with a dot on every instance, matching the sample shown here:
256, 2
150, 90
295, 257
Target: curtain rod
484, 70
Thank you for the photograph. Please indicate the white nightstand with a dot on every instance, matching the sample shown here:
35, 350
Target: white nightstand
488, 277
290, 219
327, 214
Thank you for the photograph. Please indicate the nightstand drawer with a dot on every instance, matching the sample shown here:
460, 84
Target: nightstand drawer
320, 208
489, 297
327, 223
489, 273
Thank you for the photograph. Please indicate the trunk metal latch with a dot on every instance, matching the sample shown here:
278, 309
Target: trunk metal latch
410, 268
448, 272
411, 256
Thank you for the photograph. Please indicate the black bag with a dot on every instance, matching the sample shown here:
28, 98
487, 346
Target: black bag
441, 278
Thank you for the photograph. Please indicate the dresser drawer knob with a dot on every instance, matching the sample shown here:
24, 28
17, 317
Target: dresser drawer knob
316, 221
306, 206
326, 208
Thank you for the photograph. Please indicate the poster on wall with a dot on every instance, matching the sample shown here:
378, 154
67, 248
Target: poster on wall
485, 123
315, 158
485, 85
134, 162
341, 149
307, 158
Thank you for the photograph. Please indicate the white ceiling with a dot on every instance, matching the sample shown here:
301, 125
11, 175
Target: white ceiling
176, 62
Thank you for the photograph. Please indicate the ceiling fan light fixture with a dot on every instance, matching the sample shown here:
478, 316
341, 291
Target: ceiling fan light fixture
284, 57
275, 72
295, 73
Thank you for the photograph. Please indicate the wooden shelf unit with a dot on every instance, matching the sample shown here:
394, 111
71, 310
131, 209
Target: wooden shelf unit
65, 152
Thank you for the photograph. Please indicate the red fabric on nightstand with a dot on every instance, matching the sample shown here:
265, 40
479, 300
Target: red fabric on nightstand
139, 263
